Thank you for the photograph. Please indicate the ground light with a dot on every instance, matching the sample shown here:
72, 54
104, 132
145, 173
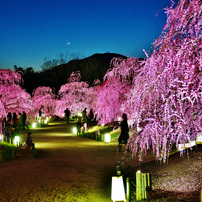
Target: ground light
74, 131
16, 140
117, 190
33, 125
1, 137
107, 137
79, 114
45, 121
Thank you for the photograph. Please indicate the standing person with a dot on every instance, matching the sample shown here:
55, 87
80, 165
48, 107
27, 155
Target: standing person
84, 113
24, 119
9, 117
85, 119
67, 115
79, 120
16, 122
7, 130
40, 113
14, 118
20, 123
91, 115
124, 133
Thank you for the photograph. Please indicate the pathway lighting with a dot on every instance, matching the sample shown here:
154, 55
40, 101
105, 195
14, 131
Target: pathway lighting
46, 121
79, 114
16, 140
74, 131
119, 119
107, 137
33, 125
1, 137
117, 190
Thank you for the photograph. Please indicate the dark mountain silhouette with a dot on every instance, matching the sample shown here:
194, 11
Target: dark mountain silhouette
91, 68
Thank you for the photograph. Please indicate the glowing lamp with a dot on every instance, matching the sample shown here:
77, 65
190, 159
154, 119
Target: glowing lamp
79, 114
45, 121
63, 114
103, 124
33, 125
39, 120
74, 130
107, 137
16, 140
1, 137
119, 119
117, 190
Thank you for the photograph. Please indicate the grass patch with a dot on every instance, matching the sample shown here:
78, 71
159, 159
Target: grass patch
5, 145
103, 130
8, 151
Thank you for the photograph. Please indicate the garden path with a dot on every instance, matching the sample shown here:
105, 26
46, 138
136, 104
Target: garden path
67, 168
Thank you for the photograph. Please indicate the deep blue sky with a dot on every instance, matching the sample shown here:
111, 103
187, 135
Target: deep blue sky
31, 30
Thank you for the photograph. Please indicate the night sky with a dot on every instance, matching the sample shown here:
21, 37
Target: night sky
31, 30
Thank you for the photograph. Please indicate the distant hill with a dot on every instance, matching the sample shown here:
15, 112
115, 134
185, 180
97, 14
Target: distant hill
91, 68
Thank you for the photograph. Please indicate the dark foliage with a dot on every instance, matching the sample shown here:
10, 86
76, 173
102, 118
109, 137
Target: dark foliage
91, 68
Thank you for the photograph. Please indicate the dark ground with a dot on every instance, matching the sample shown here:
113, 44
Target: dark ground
67, 168
71, 168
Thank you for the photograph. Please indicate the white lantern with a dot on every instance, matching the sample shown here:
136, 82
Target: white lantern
117, 190
16, 140
74, 130
107, 137
33, 125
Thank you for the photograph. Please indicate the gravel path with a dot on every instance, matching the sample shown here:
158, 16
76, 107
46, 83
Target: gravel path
66, 168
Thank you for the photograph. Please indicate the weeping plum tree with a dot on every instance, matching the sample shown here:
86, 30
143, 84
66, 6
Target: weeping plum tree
15, 99
166, 95
117, 84
45, 98
8, 76
12, 96
76, 95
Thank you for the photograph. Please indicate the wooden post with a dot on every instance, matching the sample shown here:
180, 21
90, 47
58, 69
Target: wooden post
149, 187
144, 182
128, 192
138, 186
200, 198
